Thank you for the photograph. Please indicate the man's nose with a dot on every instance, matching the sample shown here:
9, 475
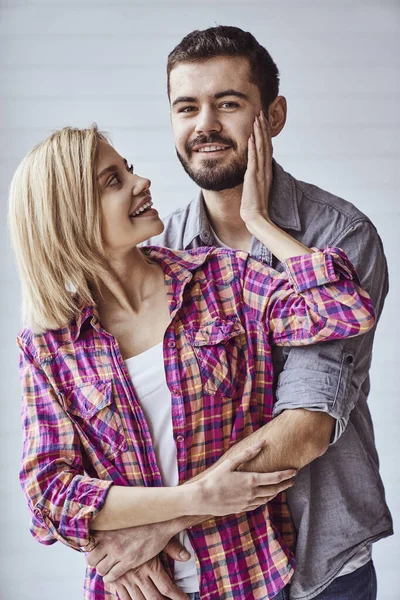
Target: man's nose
207, 121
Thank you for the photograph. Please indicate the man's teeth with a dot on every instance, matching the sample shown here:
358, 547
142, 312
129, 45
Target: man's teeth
142, 209
211, 149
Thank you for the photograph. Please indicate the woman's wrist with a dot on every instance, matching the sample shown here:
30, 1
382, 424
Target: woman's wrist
260, 226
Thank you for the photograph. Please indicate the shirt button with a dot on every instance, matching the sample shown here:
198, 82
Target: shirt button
171, 344
180, 438
175, 391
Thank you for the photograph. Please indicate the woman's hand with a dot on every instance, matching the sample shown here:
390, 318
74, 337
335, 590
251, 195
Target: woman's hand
258, 178
226, 491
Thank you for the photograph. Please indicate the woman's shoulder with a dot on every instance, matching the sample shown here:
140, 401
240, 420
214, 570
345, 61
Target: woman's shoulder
40, 343
194, 258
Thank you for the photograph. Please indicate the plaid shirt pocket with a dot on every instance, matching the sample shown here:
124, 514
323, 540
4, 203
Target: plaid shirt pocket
92, 408
220, 348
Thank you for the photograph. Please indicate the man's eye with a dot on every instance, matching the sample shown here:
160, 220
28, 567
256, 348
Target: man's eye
130, 168
229, 105
187, 109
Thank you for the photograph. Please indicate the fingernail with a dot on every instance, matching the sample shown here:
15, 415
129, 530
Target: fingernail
184, 554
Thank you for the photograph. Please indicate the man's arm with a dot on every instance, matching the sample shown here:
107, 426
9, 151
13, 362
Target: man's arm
328, 377
293, 439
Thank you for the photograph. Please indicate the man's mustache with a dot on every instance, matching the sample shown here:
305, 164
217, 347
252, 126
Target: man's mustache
213, 138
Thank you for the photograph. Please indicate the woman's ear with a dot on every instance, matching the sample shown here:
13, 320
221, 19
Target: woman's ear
277, 115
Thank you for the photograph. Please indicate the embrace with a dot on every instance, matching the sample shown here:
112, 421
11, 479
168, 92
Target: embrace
195, 390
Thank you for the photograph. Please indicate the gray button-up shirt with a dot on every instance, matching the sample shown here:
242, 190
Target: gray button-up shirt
338, 503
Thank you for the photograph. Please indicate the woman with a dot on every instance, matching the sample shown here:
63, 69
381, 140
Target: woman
141, 367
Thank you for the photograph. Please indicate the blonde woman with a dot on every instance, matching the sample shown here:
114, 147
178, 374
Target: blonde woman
141, 367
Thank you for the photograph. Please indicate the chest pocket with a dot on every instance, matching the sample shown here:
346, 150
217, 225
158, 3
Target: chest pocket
92, 408
220, 348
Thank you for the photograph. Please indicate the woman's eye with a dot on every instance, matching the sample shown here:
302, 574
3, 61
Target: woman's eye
130, 168
115, 180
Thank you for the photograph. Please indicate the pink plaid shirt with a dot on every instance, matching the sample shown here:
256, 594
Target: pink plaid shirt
84, 429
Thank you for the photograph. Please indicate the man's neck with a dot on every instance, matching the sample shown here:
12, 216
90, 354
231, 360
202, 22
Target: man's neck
223, 210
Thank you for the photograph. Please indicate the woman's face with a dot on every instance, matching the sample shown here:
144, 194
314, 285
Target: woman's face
126, 205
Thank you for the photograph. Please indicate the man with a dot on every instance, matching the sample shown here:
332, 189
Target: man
218, 81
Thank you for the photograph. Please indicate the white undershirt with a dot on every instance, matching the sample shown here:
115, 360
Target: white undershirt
357, 561
148, 378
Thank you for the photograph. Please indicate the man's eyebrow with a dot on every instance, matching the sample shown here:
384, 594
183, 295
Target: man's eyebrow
110, 169
231, 92
180, 99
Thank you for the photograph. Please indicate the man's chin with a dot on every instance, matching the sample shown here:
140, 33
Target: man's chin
213, 176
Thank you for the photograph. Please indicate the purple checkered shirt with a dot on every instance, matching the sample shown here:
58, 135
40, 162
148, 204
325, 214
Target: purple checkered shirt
84, 429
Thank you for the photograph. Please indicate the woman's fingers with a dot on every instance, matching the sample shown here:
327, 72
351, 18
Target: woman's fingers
245, 455
274, 478
260, 146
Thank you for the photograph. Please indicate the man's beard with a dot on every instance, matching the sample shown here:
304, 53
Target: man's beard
211, 176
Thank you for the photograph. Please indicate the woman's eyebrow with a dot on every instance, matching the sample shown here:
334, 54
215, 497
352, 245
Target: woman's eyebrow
107, 170
110, 169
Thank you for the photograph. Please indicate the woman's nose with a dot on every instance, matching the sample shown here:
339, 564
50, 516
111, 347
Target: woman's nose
141, 184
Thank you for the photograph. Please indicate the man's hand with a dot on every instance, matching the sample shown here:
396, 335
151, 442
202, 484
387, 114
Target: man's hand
148, 582
119, 551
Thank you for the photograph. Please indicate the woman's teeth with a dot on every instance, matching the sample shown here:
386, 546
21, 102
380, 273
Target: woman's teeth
142, 209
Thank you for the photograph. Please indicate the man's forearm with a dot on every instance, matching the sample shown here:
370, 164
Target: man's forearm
293, 439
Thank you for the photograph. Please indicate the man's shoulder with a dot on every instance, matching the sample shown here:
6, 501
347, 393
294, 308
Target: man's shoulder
175, 228
312, 197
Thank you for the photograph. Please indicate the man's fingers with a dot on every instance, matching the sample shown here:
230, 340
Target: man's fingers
117, 570
176, 550
123, 594
167, 587
104, 566
96, 555
144, 589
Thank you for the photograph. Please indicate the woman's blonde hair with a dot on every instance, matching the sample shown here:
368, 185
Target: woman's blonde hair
54, 220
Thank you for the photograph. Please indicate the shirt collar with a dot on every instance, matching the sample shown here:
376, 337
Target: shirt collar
86, 313
283, 209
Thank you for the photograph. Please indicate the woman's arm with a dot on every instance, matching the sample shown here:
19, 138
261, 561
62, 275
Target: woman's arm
222, 491
66, 503
318, 297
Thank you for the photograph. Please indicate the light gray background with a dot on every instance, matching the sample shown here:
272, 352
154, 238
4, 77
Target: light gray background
72, 63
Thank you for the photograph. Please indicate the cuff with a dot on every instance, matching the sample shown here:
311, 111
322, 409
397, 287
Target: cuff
319, 268
84, 501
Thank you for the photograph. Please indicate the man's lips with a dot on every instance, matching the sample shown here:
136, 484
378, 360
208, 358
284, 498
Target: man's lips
143, 205
209, 148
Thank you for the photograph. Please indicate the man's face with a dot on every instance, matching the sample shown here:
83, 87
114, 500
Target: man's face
213, 106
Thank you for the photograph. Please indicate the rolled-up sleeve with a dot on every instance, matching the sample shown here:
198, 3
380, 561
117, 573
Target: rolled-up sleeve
329, 377
318, 298
62, 499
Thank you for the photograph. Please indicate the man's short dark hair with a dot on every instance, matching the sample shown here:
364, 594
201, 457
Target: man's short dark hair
224, 40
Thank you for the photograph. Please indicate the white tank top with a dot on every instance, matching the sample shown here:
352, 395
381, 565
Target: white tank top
148, 378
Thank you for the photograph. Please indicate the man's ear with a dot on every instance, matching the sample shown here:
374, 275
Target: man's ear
277, 115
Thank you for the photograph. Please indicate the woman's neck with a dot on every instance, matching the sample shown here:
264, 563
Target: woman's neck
132, 279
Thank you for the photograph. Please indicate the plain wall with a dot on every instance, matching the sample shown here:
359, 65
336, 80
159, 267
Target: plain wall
72, 63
